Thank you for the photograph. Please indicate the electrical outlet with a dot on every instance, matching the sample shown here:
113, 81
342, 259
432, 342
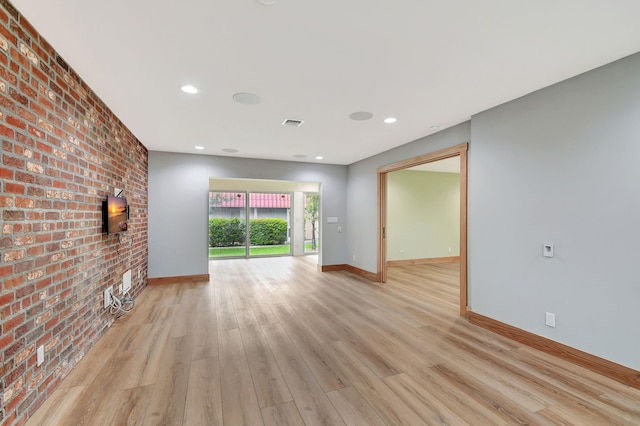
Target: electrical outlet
107, 297
126, 282
550, 320
40, 355
401, 252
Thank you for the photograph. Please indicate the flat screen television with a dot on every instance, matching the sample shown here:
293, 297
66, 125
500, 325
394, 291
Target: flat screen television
115, 213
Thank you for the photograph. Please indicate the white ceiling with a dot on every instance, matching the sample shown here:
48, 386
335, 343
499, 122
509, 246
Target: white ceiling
426, 62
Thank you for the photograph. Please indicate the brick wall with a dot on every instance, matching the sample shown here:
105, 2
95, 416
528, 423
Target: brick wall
63, 151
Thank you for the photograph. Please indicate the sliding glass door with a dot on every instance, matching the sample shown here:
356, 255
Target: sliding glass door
311, 223
227, 224
264, 217
269, 224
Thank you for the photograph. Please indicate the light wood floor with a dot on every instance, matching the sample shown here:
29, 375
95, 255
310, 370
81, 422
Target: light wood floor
274, 342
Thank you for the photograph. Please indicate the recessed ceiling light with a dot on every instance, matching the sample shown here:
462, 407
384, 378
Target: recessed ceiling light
360, 115
187, 88
246, 98
230, 150
434, 128
390, 120
199, 148
267, 2
319, 157
300, 156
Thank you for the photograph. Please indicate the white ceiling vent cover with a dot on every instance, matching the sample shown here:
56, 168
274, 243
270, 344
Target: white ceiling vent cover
292, 122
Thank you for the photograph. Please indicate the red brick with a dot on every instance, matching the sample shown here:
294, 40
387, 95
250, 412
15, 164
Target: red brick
5, 341
13, 188
5, 131
13, 215
43, 283
4, 271
16, 122
11, 283
25, 203
17, 399
8, 160
25, 177
28, 90
3, 16
24, 329
43, 238
7, 201
6, 173
42, 110
23, 266
27, 115
35, 251
10, 323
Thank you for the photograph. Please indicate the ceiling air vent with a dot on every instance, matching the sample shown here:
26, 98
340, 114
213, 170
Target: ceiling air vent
293, 123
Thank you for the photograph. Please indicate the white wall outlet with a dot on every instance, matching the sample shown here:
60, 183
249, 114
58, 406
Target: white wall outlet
449, 249
354, 257
547, 249
107, 297
40, 355
401, 252
550, 319
126, 282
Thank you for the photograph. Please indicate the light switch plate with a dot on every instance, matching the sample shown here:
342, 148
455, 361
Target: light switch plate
547, 249
550, 319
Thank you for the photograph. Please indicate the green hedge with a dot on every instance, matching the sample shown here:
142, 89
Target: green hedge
268, 232
226, 232
231, 232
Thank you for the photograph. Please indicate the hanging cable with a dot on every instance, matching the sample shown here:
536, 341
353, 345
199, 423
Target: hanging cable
119, 306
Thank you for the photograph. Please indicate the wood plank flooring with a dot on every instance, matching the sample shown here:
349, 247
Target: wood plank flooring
274, 342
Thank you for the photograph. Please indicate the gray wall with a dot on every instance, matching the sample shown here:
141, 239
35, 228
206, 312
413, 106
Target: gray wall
561, 165
362, 220
178, 206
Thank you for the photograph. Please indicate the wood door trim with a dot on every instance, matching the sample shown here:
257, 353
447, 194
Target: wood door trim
458, 150
382, 220
425, 158
463, 232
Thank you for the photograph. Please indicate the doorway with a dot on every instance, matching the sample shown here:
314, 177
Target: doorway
459, 151
249, 224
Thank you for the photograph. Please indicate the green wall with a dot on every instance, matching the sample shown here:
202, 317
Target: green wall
423, 215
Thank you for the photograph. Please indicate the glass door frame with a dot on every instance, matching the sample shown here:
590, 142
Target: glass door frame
248, 211
290, 232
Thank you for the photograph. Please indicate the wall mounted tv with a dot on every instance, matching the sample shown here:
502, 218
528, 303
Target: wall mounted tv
115, 213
